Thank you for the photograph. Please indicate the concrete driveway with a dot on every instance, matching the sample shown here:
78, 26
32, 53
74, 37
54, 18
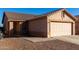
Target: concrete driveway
72, 39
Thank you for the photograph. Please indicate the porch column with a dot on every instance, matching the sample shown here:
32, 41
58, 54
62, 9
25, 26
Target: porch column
74, 28
10, 28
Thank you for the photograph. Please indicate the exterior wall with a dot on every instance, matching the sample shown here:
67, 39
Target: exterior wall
58, 17
5, 25
10, 30
77, 28
74, 29
10, 25
38, 27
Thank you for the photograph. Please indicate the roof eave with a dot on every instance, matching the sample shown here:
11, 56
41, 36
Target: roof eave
73, 17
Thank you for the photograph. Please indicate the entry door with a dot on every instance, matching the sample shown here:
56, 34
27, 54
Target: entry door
16, 28
60, 29
24, 28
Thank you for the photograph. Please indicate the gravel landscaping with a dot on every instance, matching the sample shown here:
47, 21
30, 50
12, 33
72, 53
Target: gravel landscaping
35, 44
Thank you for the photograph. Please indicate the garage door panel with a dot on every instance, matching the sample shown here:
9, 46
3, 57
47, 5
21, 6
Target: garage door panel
59, 29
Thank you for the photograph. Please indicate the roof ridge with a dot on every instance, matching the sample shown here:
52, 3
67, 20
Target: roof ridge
54, 11
62, 9
34, 14
20, 13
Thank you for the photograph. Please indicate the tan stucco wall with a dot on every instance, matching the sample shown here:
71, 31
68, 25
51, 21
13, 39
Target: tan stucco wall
58, 17
38, 27
77, 28
10, 25
5, 25
10, 28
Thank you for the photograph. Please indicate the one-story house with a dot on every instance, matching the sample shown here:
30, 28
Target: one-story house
56, 23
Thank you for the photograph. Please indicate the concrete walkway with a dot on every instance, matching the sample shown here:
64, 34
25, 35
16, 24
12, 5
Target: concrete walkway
38, 39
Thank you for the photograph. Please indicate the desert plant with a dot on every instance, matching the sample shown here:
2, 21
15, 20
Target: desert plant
1, 35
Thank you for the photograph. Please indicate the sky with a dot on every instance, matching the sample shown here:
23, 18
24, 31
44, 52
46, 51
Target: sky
36, 11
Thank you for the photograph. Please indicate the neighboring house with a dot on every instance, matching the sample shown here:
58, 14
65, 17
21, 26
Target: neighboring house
57, 23
77, 25
1, 29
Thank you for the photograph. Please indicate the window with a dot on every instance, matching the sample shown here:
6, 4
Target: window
62, 15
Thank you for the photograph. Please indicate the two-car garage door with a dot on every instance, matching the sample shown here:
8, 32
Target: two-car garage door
60, 29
